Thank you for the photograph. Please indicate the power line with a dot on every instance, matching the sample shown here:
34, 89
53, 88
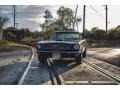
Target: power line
101, 15
96, 11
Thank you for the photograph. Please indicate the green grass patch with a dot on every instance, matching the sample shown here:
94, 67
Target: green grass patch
10, 46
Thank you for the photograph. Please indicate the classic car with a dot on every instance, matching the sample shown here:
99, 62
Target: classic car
62, 44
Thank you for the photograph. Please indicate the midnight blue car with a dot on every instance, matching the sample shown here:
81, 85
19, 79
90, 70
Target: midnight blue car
62, 44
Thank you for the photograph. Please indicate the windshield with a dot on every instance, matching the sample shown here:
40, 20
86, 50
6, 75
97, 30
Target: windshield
66, 36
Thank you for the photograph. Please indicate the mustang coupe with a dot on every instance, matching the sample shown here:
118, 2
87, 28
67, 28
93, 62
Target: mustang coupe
62, 44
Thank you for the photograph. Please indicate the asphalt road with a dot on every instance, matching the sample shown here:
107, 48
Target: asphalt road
12, 65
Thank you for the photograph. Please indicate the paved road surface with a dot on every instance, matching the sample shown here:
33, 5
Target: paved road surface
12, 64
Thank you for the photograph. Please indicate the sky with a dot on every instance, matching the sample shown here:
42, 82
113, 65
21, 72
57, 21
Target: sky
31, 16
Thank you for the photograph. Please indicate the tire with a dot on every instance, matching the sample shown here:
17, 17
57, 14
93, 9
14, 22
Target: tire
79, 59
84, 53
42, 59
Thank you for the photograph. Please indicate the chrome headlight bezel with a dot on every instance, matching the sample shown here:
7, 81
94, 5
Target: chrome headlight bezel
39, 46
76, 47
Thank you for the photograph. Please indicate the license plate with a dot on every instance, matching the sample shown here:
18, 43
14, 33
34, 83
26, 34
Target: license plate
56, 55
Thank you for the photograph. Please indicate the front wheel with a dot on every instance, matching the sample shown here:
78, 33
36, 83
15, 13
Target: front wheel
84, 53
79, 59
42, 59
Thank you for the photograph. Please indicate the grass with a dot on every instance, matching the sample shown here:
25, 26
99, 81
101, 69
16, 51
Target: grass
9, 46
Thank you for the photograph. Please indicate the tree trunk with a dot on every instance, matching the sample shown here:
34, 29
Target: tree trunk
1, 34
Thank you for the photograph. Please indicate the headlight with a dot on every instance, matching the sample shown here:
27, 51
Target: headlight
38, 46
76, 46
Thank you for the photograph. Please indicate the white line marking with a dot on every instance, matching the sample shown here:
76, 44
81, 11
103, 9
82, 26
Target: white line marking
25, 73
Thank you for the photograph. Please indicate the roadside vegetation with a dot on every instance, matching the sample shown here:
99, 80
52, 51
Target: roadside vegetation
65, 20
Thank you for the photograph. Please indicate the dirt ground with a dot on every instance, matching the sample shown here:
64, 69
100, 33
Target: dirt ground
109, 55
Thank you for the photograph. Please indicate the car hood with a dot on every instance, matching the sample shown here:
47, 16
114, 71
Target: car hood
51, 42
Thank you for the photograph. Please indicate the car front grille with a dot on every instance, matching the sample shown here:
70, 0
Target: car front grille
57, 47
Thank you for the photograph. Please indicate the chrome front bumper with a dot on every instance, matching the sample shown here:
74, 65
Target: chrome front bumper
64, 54
39, 51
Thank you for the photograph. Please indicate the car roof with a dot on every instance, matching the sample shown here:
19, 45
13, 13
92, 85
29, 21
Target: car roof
65, 31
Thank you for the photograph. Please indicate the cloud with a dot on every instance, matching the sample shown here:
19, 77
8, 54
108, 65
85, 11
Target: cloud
29, 16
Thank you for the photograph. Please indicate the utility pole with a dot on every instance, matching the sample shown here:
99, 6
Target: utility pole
84, 10
106, 7
75, 17
1, 31
0, 10
14, 15
14, 21
16, 24
106, 19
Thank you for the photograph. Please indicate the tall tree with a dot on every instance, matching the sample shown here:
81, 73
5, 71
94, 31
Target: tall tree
98, 34
48, 16
66, 17
65, 20
3, 21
